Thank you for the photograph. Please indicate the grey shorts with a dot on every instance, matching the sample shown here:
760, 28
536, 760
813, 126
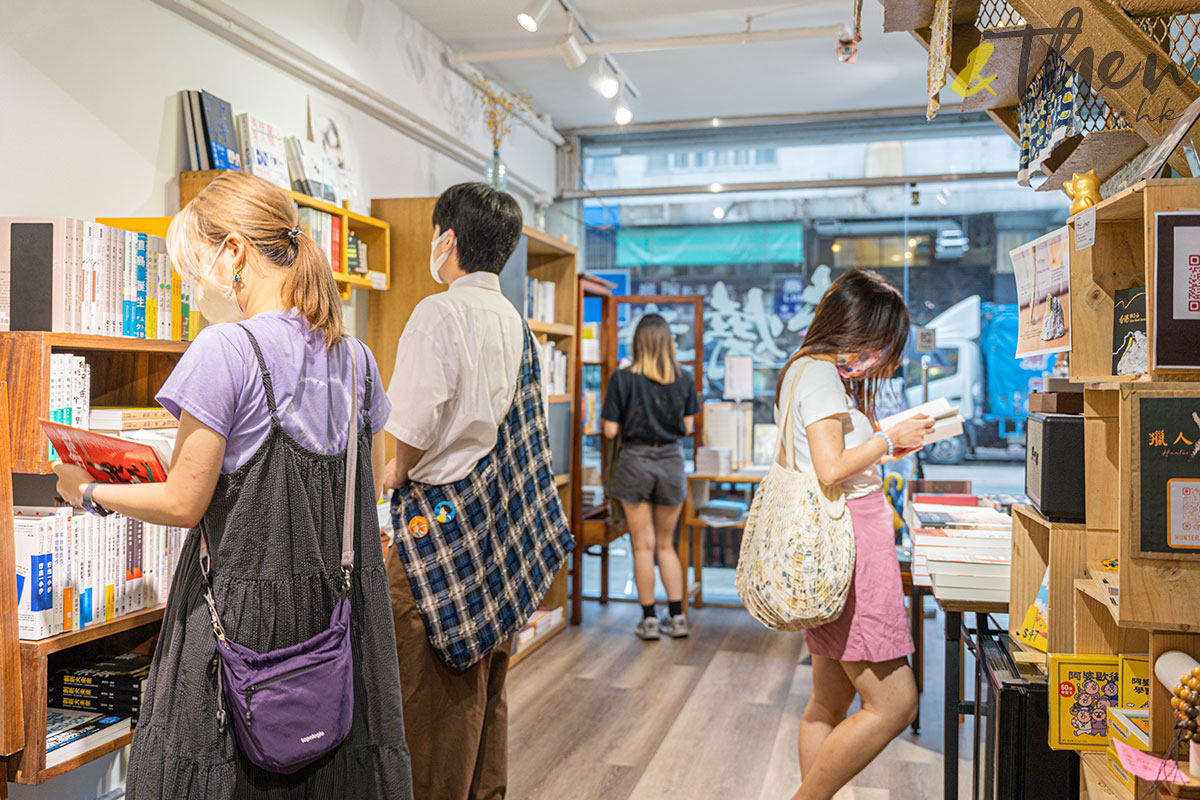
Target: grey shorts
650, 473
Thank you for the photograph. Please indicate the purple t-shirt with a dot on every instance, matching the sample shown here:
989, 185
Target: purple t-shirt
217, 381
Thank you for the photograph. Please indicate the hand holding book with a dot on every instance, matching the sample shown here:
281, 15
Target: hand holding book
941, 421
908, 434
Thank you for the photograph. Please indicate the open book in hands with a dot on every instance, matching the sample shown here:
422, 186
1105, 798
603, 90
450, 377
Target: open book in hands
946, 420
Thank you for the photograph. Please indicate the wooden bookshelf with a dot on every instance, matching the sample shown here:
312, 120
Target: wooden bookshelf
12, 710
375, 233
538, 255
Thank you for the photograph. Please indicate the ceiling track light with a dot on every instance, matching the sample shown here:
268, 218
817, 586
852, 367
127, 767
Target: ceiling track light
622, 113
604, 81
569, 46
534, 14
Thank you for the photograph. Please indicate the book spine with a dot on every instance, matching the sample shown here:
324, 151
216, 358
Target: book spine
58, 569
112, 283
152, 289
139, 306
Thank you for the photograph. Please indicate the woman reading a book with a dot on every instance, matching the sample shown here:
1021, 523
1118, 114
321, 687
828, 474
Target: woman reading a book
264, 400
651, 406
855, 343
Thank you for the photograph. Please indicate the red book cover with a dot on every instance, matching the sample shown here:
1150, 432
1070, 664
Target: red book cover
947, 499
337, 244
108, 459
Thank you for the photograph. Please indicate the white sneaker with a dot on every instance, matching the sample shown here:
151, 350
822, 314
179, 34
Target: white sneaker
676, 627
647, 629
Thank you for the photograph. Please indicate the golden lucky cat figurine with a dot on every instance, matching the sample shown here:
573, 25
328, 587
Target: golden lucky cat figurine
1084, 190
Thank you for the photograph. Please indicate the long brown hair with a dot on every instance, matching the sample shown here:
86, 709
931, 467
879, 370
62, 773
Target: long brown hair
654, 350
262, 215
861, 313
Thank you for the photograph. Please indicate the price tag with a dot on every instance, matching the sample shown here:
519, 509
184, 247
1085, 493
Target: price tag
1085, 228
926, 340
378, 279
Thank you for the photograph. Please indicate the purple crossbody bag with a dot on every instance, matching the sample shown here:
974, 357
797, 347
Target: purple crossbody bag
291, 706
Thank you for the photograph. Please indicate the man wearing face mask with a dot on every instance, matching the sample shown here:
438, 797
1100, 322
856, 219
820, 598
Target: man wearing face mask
479, 527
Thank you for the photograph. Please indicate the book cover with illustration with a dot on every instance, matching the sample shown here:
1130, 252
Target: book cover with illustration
1082, 689
1135, 681
1035, 631
109, 459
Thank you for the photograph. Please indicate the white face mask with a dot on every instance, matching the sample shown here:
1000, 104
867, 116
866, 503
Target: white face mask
436, 261
217, 303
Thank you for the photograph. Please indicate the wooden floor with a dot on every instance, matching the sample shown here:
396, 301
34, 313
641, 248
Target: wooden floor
600, 715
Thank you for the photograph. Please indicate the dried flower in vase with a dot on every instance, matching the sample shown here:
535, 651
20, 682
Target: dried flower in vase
498, 105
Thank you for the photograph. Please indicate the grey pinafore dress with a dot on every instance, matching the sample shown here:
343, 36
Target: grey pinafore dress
274, 526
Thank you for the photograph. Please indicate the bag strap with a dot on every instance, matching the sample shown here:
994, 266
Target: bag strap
785, 430
352, 459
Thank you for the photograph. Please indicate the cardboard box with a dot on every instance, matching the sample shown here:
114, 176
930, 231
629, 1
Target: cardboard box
1131, 726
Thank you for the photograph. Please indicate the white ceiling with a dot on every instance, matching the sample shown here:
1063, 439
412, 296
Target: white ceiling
793, 77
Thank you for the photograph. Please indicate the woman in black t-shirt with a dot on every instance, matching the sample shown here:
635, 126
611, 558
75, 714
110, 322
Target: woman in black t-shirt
652, 405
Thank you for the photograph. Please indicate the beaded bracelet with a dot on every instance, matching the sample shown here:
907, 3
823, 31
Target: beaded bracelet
891, 450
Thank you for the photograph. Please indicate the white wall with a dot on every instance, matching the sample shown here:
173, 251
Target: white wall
90, 126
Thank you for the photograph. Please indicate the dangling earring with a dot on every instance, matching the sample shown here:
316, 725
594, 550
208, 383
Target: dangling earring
237, 278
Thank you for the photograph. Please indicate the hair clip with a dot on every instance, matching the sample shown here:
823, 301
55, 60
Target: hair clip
293, 233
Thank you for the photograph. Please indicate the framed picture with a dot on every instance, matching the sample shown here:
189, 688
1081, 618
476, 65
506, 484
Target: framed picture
1176, 299
1165, 472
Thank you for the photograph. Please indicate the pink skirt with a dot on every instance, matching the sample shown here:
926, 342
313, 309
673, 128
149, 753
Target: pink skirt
874, 625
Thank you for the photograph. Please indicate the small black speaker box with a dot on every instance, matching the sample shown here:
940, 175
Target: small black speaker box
1054, 465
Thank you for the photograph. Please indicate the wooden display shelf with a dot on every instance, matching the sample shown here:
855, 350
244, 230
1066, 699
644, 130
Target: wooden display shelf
125, 622
1122, 257
543, 244
555, 329
1095, 626
375, 233
135, 632
1100, 783
1038, 543
125, 371
539, 640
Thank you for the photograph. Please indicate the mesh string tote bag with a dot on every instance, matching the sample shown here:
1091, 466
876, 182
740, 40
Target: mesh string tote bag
797, 556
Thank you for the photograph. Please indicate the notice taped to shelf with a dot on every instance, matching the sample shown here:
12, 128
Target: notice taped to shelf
1042, 271
1148, 766
1085, 228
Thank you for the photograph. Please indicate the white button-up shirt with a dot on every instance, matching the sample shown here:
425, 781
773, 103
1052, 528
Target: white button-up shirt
456, 371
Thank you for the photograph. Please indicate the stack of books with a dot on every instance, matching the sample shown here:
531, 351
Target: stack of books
102, 281
311, 172
963, 552
71, 733
714, 461
106, 685
539, 625
263, 151
76, 569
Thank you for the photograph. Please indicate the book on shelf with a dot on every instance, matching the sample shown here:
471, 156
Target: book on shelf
78, 569
963, 577
975, 594
971, 539
731, 425
1130, 346
968, 500
71, 733
89, 278
220, 132
539, 300
714, 461
1131, 726
262, 150
931, 515
107, 685
589, 343
947, 421
194, 160
1082, 689
1134, 669
308, 170
556, 367
1035, 630
986, 563
128, 418
109, 459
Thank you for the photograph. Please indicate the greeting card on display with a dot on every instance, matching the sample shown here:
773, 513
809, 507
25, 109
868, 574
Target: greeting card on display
1042, 270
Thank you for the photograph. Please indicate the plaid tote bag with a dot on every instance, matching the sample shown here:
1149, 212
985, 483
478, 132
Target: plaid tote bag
481, 553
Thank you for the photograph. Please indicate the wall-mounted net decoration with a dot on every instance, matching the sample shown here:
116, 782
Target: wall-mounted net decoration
997, 14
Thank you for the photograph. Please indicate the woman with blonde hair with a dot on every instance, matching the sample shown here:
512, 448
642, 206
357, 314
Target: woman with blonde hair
265, 398
651, 405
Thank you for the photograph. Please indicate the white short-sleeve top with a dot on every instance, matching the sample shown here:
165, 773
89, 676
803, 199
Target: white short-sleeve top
822, 394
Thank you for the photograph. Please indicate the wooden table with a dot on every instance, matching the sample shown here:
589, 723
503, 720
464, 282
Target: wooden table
691, 528
955, 705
